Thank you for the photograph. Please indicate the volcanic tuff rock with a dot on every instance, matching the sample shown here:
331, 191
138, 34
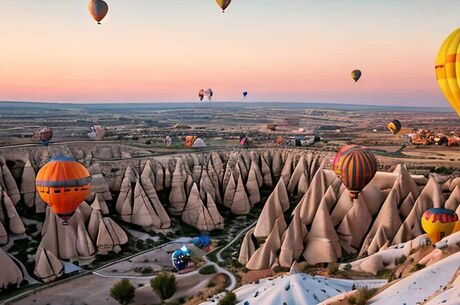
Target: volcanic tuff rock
326, 223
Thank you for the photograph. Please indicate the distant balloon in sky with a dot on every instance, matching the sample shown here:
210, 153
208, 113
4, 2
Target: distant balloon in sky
394, 126
98, 9
448, 69
245, 93
209, 94
356, 75
223, 4
201, 94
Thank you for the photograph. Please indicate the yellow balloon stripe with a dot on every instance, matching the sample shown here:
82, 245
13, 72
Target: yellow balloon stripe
446, 67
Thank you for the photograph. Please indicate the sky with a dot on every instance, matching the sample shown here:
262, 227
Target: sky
277, 50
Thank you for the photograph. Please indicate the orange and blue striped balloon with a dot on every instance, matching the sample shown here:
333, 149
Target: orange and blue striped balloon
358, 169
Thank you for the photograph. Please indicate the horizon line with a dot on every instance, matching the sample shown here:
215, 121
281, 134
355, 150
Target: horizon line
223, 102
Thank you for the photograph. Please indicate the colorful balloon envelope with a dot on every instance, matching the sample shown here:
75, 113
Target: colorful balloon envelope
209, 93
97, 133
358, 169
44, 135
182, 259
63, 184
356, 75
223, 4
338, 159
201, 94
438, 223
189, 140
244, 140
394, 126
448, 69
245, 94
98, 10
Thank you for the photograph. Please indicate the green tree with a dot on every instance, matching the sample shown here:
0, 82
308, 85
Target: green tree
228, 299
164, 284
123, 292
361, 296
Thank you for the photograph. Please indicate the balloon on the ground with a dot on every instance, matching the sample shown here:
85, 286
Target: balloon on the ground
356, 75
244, 140
182, 258
448, 69
97, 133
358, 169
63, 184
394, 126
223, 4
202, 241
189, 140
44, 135
98, 10
168, 141
438, 223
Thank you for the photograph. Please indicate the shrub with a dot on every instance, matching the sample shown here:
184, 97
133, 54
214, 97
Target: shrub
361, 296
123, 292
333, 269
418, 267
211, 284
228, 299
400, 260
208, 270
164, 284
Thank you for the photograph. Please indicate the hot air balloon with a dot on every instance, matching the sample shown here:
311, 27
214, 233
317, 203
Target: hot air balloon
223, 4
168, 141
97, 133
356, 75
201, 94
63, 184
209, 94
438, 223
448, 69
98, 9
44, 135
394, 126
338, 159
358, 169
245, 93
182, 259
279, 140
189, 141
244, 140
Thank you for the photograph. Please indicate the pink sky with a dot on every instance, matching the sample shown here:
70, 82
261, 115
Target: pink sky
158, 51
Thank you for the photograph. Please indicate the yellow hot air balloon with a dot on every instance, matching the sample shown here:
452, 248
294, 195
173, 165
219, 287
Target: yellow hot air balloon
394, 126
438, 223
448, 69
223, 4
